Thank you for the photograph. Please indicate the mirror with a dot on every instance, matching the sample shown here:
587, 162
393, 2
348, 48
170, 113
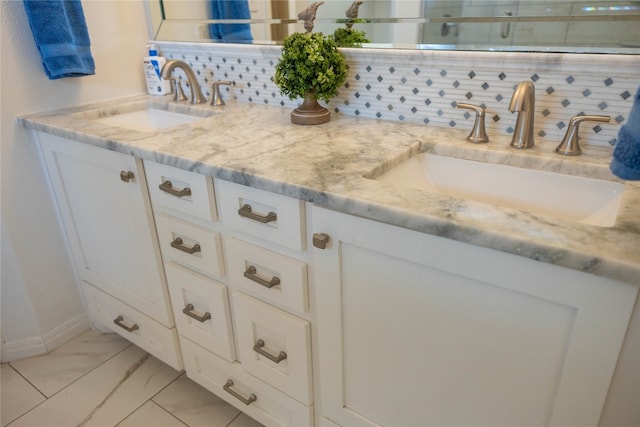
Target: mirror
514, 25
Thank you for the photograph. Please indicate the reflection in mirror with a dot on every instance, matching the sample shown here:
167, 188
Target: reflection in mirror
607, 26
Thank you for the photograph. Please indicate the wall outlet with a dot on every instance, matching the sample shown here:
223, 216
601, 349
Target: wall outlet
203, 32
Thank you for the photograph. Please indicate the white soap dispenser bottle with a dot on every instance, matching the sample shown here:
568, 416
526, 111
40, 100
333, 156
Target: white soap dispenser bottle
153, 64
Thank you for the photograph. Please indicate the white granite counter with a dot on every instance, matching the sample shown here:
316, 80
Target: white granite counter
260, 147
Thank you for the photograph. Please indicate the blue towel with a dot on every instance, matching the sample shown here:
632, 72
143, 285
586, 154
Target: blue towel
626, 153
60, 32
230, 33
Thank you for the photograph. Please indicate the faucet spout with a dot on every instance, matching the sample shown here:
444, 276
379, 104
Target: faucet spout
196, 93
523, 102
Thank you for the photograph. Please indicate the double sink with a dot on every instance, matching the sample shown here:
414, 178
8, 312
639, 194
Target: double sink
567, 197
150, 116
573, 198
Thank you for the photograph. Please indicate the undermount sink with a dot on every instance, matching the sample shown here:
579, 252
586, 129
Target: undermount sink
574, 198
148, 117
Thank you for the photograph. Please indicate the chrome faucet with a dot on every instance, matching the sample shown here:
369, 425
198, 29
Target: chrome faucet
196, 93
570, 143
478, 134
216, 98
523, 101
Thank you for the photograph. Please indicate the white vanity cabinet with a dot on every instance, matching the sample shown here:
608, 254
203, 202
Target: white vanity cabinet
241, 305
103, 200
419, 330
406, 328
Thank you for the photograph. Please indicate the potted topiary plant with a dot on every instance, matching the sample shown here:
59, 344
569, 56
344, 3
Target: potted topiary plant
311, 67
350, 37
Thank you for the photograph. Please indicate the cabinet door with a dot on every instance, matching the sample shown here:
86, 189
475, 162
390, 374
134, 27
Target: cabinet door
262, 214
134, 326
256, 271
105, 208
274, 345
187, 192
253, 397
201, 307
195, 247
420, 330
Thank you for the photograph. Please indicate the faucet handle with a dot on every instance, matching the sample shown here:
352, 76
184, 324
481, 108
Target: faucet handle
216, 99
478, 134
178, 93
570, 145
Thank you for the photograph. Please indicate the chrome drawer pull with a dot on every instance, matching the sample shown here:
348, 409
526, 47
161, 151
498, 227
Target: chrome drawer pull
167, 187
250, 273
126, 176
246, 212
188, 310
120, 322
177, 244
258, 349
247, 401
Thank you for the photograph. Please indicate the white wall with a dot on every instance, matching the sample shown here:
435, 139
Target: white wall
41, 305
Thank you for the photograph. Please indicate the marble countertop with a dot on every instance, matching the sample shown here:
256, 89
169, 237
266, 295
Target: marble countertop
257, 145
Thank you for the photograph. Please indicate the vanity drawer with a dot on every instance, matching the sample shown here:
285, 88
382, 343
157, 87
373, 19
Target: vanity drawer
267, 275
274, 345
201, 309
271, 407
269, 216
134, 326
187, 192
193, 246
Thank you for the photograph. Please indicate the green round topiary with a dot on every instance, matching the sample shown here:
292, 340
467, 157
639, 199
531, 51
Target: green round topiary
310, 64
348, 37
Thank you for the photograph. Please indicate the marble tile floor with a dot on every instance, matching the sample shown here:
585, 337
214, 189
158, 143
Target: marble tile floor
103, 380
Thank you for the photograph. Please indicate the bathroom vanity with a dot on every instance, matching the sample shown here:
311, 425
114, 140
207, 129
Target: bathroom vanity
268, 261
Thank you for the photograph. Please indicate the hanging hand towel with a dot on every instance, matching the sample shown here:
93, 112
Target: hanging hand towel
230, 9
626, 153
60, 32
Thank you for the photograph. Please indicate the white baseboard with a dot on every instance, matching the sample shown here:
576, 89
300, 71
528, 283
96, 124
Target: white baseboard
51, 340
20, 349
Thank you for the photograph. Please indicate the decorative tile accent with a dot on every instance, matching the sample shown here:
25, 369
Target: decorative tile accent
424, 86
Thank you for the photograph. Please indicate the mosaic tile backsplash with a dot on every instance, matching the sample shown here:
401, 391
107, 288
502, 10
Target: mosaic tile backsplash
425, 86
